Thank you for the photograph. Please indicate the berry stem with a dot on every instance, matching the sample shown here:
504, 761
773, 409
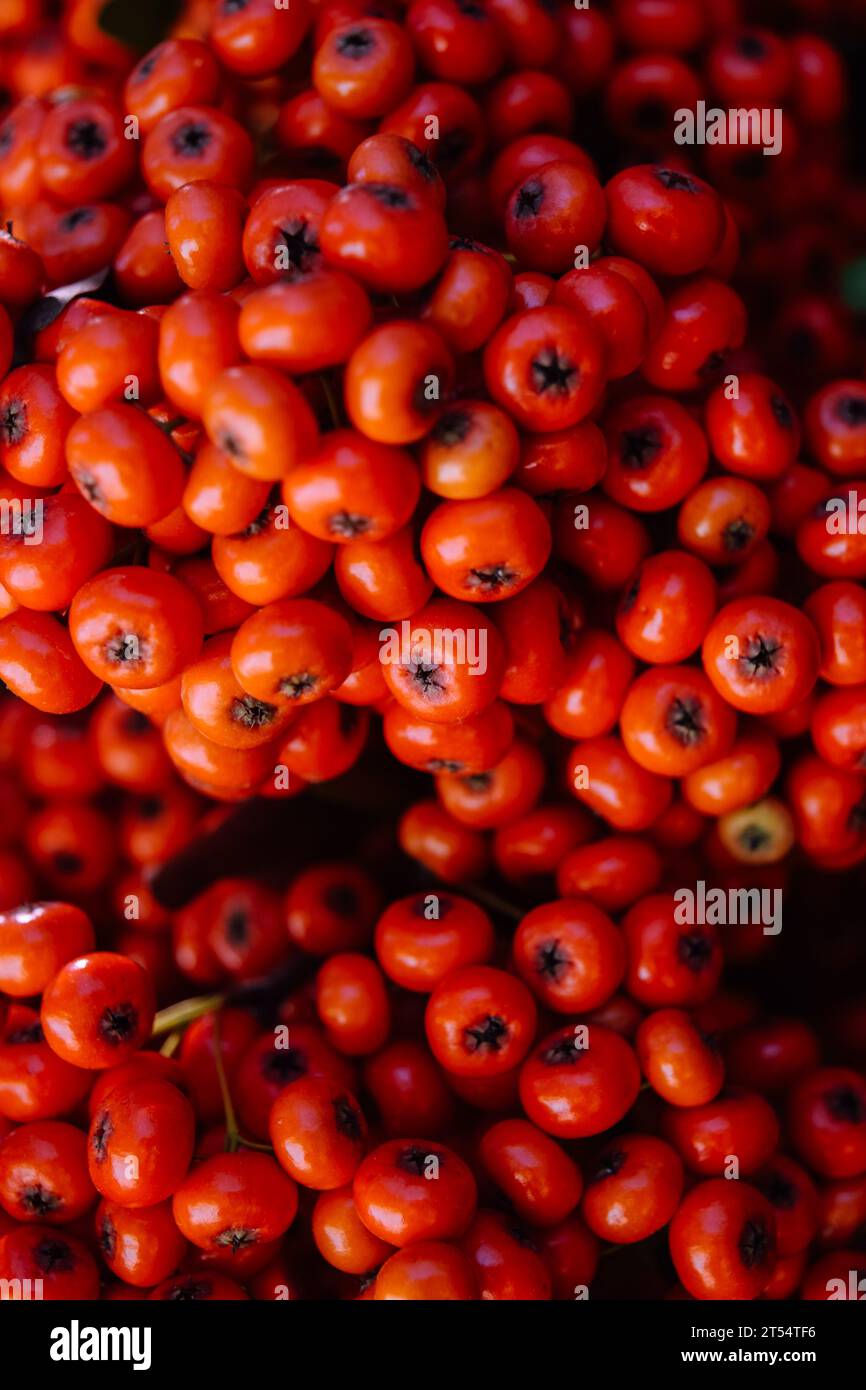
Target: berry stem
233, 1137
171, 1044
492, 901
331, 400
177, 1016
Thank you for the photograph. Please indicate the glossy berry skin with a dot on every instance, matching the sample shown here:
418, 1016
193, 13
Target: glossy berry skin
98, 1010
397, 1201
608, 780
590, 548
364, 67
741, 777
838, 613
561, 460
470, 296
492, 799
704, 321
834, 424
826, 542
471, 450
507, 1259
36, 939
724, 520
235, 1200
633, 1190
39, 664
63, 1264
124, 465
723, 1240
486, 550
772, 661
392, 159
142, 1246
670, 222
670, 962
827, 1121
408, 1090
203, 227
198, 339
352, 1003
103, 360
75, 542
255, 38
389, 238
421, 939
615, 306
667, 607
35, 1084
535, 844
430, 1271
194, 142
473, 745
537, 628
656, 454
285, 324
261, 419
546, 367
570, 955
260, 1072
738, 1123
291, 653
318, 1133
463, 46
171, 74
612, 872
595, 678
395, 380
430, 677
683, 1067
352, 488
341, 1236
331, 907
218, 706
43, 1173
556, 209
135, 627
83, 154
579, 1081
672, 721
535, 1175
36, 421
756, 433
480, 1021
140, 1142
794, 1197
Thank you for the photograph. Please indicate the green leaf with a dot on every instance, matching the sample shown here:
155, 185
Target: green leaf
140, 24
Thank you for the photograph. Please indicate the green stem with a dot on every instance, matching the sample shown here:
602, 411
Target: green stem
171, 1044
179, 1015
233, 1137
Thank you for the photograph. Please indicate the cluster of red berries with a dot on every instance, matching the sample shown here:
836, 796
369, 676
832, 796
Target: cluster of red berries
357, 412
